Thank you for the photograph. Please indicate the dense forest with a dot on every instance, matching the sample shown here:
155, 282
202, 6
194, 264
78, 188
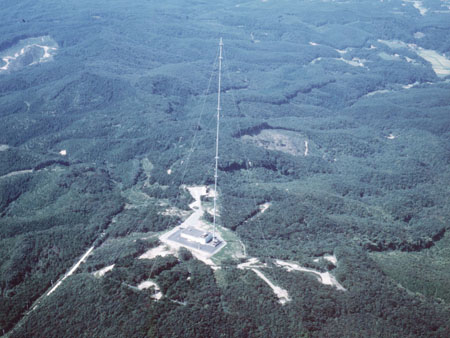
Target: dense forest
335, 116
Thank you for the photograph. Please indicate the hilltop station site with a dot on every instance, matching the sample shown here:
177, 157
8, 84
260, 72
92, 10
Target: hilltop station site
191, 236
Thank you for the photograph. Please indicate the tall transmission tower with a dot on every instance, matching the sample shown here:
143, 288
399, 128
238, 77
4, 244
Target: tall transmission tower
217, 138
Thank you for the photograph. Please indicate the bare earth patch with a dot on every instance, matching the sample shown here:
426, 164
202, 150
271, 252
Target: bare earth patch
101, 272
28, 52
253, 264
72, 270
330, 258
323, 277
391, 137
264, 207
174, 211
281, 293
287, 141
161, 250
18, 172
148, 284
439, 63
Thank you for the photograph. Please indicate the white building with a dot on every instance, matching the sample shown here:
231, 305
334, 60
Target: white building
195, 235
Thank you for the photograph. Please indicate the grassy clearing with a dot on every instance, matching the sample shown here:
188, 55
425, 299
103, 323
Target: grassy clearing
232, 250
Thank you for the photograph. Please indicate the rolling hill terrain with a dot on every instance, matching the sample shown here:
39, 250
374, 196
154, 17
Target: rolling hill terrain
333, 172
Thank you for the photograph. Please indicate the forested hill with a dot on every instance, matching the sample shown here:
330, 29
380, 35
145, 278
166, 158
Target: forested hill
334, 163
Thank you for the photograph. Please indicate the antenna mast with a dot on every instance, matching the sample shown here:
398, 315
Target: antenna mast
217, 137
